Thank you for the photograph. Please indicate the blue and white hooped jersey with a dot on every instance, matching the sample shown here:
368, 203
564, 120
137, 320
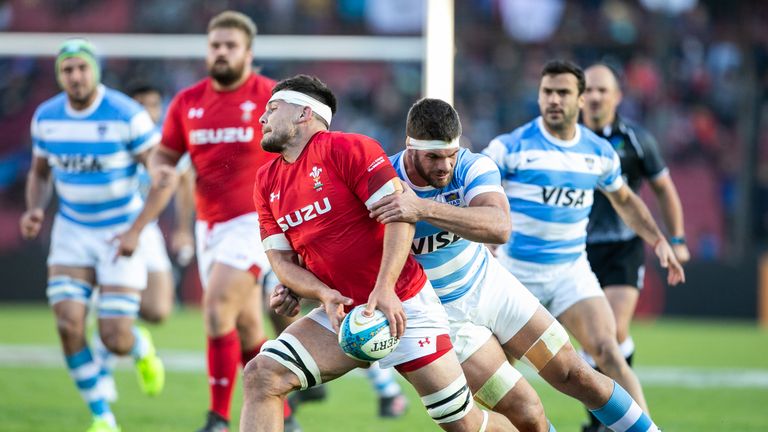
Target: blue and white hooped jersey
453, 265
92, 155
550, 185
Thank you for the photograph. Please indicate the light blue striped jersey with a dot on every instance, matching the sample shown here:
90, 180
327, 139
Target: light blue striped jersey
453, 265
550, 185
91, 153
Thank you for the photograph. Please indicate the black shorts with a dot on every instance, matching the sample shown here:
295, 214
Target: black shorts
618, 263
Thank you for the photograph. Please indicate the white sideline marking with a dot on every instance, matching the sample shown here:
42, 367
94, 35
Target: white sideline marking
194, 361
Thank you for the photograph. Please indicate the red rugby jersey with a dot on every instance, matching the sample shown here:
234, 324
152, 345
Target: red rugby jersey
318, 202
222, 134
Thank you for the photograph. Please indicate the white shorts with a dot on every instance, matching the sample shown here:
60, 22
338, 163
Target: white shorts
154, 249
499, 305
236, 243
426, 320
75, 245
557, 286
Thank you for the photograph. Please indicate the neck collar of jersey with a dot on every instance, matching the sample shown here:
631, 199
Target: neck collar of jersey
557, 141
100, 89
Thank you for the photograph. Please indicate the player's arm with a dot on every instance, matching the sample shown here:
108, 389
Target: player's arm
38, 193
398, 237
162, 169
637, 216
672, 212
304, 284
486, 220
183, 241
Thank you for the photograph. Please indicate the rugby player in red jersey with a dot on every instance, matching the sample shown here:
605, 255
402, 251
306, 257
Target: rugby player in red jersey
312, 203
216, 122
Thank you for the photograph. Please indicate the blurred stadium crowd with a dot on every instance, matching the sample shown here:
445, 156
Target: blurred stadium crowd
694, 72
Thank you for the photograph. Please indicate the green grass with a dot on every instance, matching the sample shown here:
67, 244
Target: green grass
43, 398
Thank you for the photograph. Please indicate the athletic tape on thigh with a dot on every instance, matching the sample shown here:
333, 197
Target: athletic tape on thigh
289, 352
451, 403
119, 305
546, 346
67, 288
498, 385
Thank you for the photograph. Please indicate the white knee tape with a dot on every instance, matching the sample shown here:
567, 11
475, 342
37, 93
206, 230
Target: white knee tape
62, 288
451, 403
546, 347
119, 305
498, 385
289, 352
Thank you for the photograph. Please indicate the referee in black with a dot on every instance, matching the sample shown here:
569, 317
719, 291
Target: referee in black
615, 252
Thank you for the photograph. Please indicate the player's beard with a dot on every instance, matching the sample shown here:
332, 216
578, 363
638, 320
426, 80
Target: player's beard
435, 183
80, 96
225, 74
567, 119
276, 142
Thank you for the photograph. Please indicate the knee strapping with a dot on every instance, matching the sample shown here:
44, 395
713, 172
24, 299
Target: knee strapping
289, 352
119, 305
451, 403
498, 385
546, 346
62, 288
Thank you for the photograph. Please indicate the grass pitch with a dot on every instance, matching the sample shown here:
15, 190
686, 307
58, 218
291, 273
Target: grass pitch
699, 376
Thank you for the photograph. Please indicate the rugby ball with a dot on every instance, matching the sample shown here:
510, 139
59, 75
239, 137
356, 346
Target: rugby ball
366, 338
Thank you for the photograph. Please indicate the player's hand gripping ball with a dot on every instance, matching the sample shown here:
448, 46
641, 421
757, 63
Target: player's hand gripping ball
366, 338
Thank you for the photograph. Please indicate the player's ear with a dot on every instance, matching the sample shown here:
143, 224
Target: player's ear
305, 115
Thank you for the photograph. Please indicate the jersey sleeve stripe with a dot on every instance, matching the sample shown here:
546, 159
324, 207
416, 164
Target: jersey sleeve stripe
479, 190
277, 242
387, 189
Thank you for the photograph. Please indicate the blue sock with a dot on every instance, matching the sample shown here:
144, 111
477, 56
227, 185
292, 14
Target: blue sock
383, 380
85, 371
622, 414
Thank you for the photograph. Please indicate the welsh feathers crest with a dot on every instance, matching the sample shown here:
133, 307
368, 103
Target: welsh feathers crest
315, 174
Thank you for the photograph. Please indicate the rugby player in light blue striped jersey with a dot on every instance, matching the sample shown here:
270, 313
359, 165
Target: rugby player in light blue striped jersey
550, 168
456, 201
87, 142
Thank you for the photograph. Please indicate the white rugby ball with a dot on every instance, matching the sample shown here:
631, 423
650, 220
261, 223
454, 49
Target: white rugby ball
366, 338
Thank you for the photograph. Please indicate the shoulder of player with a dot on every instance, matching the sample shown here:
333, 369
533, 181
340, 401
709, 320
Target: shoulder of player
343, 140
593, 143
192, 92
264, 82
122, 104
512, 139
630, 127
468, 161
53, 106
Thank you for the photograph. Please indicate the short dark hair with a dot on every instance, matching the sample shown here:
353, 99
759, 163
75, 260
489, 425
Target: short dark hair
433, 119
235, 20
138, 87
309, 85
558, 67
